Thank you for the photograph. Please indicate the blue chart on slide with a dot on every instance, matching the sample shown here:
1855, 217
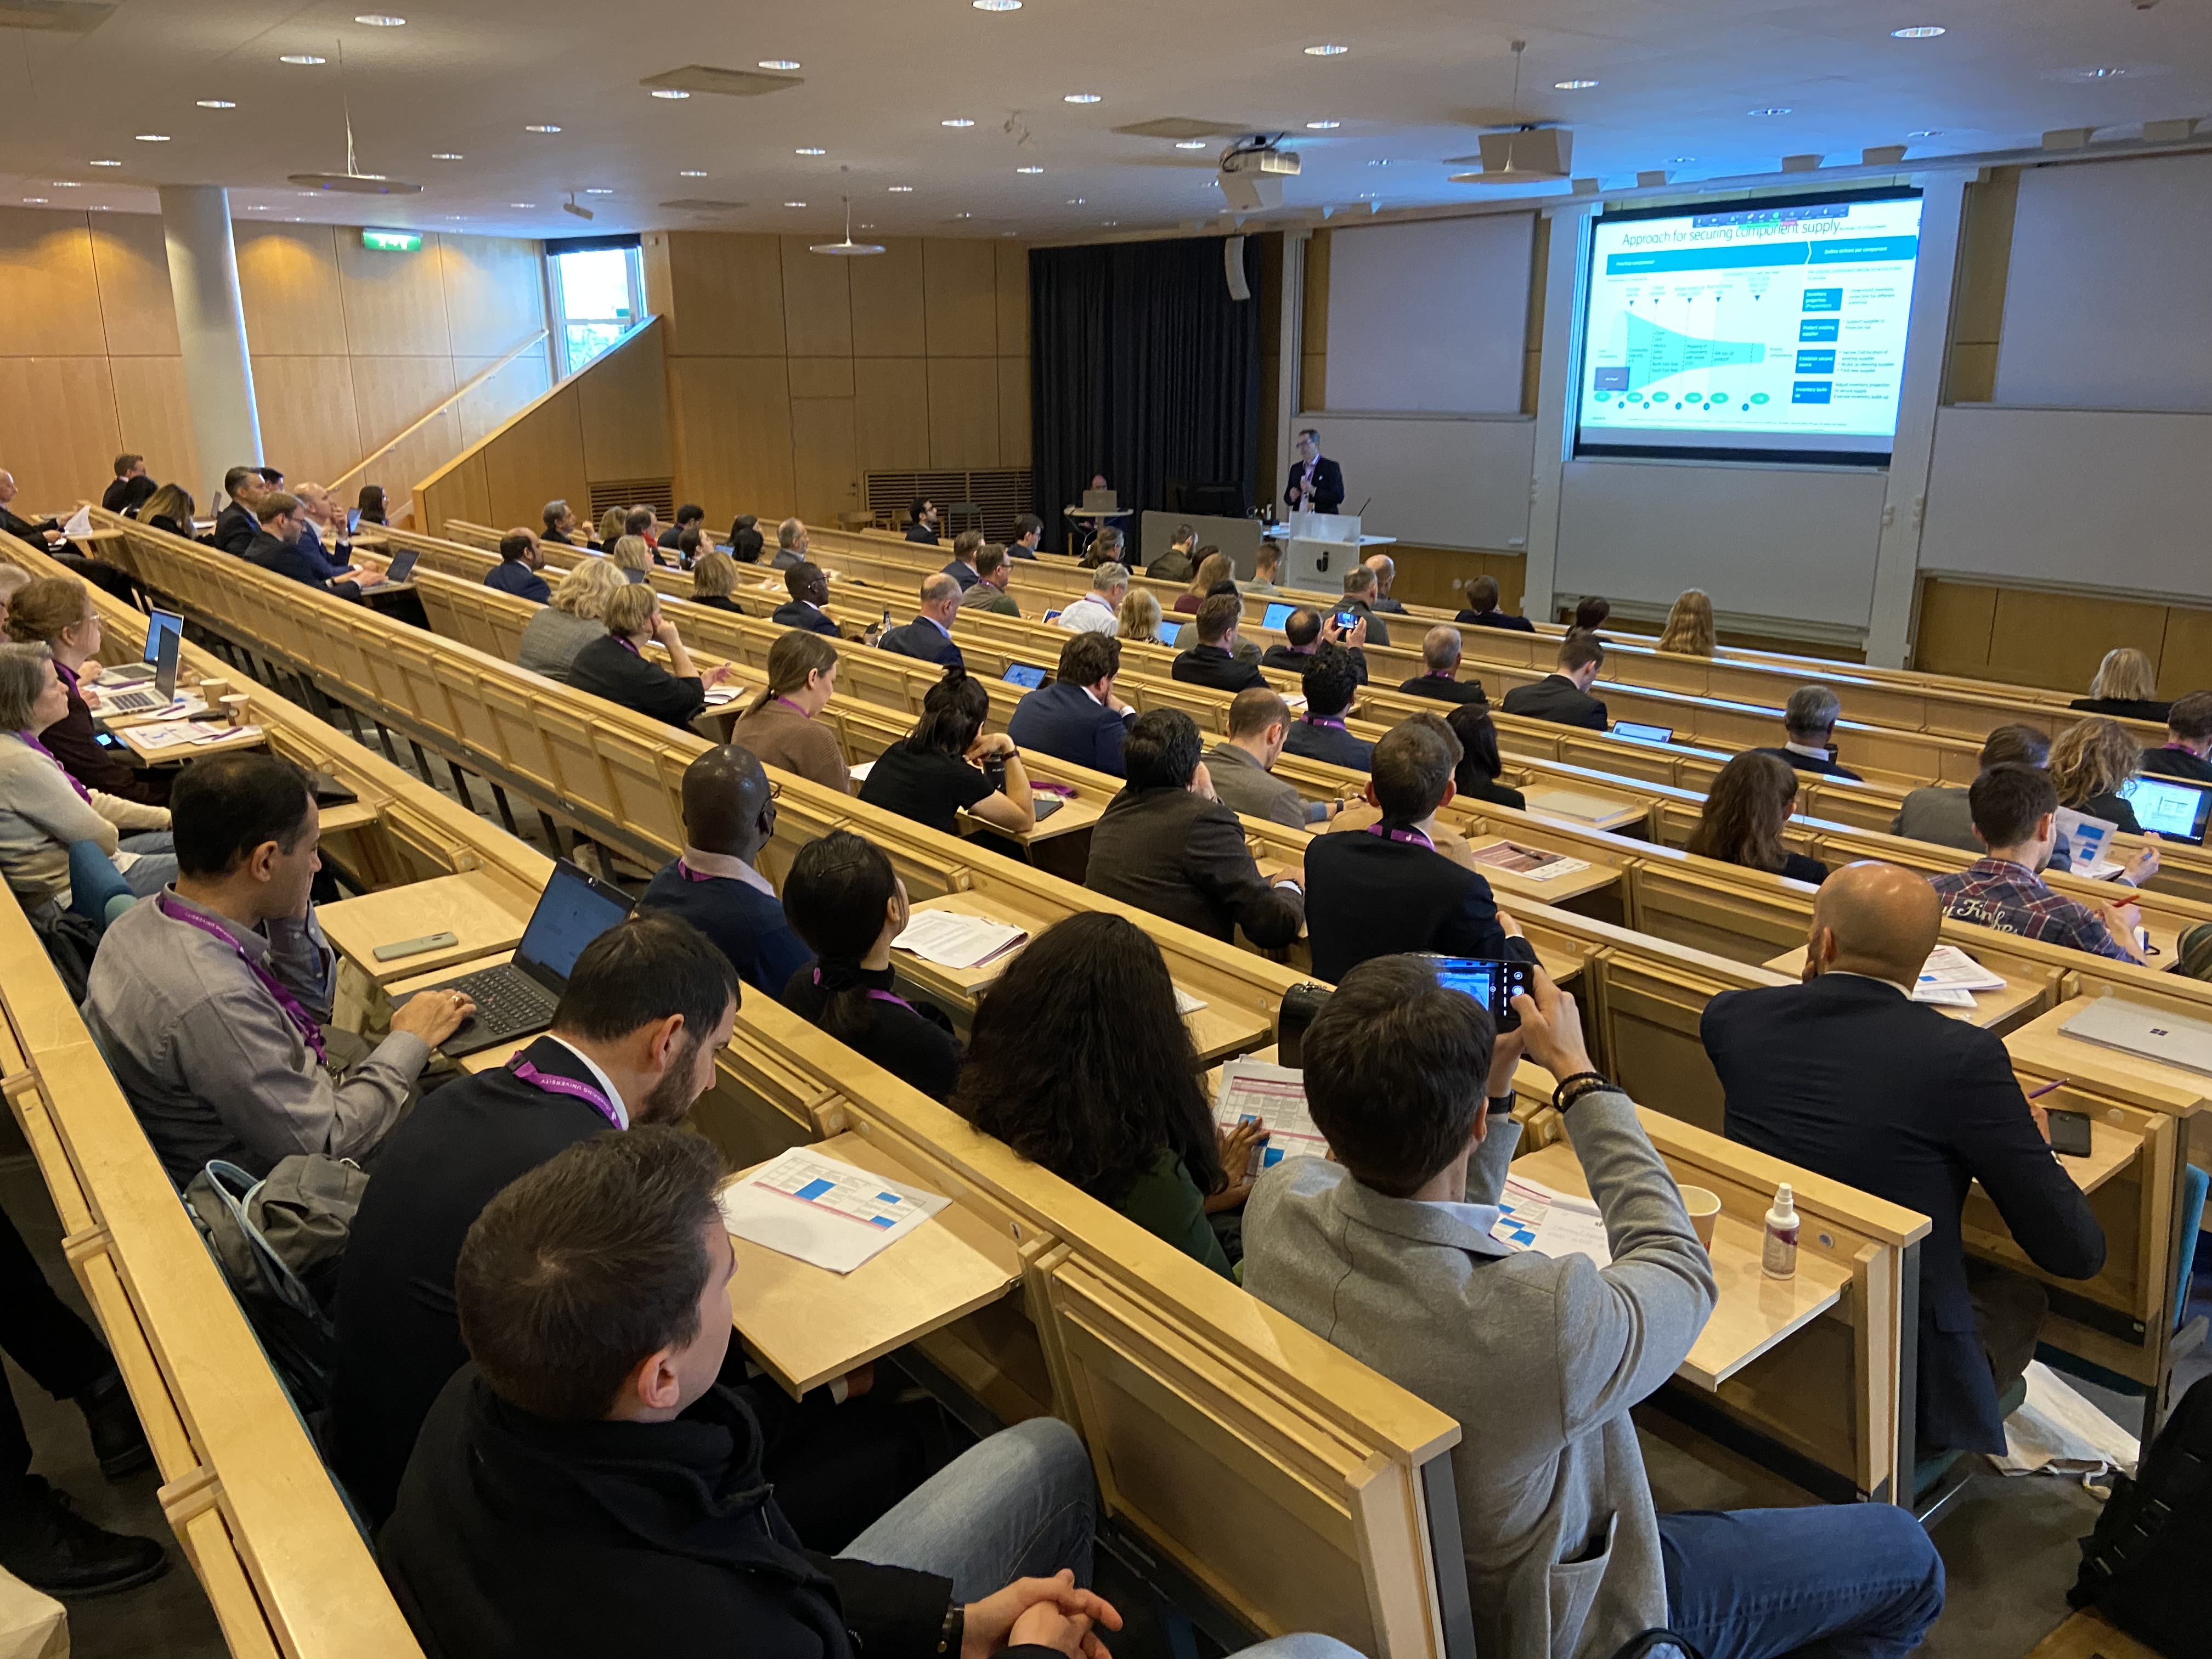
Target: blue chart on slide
1767, 329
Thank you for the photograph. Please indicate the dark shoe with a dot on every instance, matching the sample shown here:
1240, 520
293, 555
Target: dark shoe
117, 1440
56, 1550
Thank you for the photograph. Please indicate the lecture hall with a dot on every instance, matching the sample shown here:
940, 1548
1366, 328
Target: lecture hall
1388, 838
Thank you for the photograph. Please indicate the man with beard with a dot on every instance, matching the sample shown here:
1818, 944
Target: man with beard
649, 1007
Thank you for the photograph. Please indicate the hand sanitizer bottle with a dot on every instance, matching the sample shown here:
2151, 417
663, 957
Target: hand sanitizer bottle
1780, 1261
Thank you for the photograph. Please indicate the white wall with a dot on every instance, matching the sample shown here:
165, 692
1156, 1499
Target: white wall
1431, 316
1435, 480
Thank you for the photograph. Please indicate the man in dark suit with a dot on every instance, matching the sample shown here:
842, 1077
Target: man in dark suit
1385, 572
791, 545
649, 1004
276, 548
1482, 608
1359, 601
1213, 660
921, 525
1029, 532
1563, 695
1176, 564
1076, 718
1165, 844
2188, 741
1848, 1076
516, 573
1304, 632
1384, 889
809, 588
965, 546
118, 495
1317, 485
929, 635
1809, 723
236, 526
1330, 682
1440, 654
690, 516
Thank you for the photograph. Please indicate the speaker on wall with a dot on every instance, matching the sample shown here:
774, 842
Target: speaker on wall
1232, 266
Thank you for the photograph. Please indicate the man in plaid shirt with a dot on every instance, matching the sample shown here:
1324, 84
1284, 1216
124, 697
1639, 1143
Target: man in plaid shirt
2014, 810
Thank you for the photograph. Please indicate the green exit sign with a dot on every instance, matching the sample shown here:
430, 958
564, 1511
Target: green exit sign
392, 241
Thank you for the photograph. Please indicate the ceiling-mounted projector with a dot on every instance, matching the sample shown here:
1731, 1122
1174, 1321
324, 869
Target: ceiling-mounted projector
1252, 175
1525, 155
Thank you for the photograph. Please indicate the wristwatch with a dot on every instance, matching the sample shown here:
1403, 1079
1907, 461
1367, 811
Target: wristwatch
954, 1631
1572, 1088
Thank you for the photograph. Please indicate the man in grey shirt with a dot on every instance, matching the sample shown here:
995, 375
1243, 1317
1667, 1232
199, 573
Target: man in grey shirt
208, 1000
1938, 813
1241, 765
1387, 1249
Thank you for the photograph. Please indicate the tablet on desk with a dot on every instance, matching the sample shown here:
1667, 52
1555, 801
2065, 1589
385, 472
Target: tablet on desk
1022, 674
1276, 615
1636, 733
1170, 632
2170, 807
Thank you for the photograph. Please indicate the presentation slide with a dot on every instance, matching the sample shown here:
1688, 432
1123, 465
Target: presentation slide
1770, 332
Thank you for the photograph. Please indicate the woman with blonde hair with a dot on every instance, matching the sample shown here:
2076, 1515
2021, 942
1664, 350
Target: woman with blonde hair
1689, 625
781, 729
1140, 618
611, 524
168, 508
1213, 565
2126, 688
571, 621
1745, 811
2089, 763
615, 666
632, 554
713, 578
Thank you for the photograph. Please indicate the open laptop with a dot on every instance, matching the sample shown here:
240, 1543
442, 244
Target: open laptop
161, 623
402, 566
1170, 632
145, 700
2170, 807
516, 999
1028, 676
1638, 733
1276, 615
2152, 1033
1101, 500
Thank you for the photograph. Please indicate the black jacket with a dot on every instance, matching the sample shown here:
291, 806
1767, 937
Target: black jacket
399, 1339
2172, 762
797, 613
2125, 708
282, 558
520, 1538
1172, 566
1496, 619
1312, 739
1290, 661
921, 638
1822, 767
962, 572
1444, 689
1182, 857
915, 1043
1556, 697
1210, 664
921, 532
1329, 485
236, 527
1848, 1078
1372, 896
607, 668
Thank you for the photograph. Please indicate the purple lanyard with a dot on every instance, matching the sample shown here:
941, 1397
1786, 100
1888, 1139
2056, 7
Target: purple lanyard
34, 744
879, 996
67, 674
1336, 720
1413, 836
299, 1016
794, 708
628, 645
567, 1085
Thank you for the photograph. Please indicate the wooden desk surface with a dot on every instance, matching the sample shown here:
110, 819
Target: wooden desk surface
1578, 807
483, 910
350, 815
806, 1324
176, 755
1992, 1010
1753, 1312
1073, 814
1557, 891
2041, 1049
2112, 1149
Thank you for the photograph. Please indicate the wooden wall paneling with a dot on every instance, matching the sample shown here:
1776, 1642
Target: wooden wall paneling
1977, 298
392, 393
153, 414
892, 413
395, 303
57, 432
1313, 327
1532, 346
2185, 664
727, 290
960, 298
2042, 638
963, 411
495, 292
288, 282
1013, 411
734, 416
417, 455
48, 292
820, 377
824, 459
130, 261
818, 302
490, 404
623, 399
1957, 620
538, 457
459, 492
889, 312
308, 424
1012, 260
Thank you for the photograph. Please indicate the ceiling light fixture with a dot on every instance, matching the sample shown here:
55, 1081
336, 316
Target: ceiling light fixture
1322, 127
36, 201
794, 204
352, 180
99, 207
956, 121
996, 5
1571, 85
811, 149
153, 138
1329, 49
1075, 201
1680, 161
779, 62
446, 156
522, 204
381, 20
2110, 72
689, 173
1190, 143
67, 183
108, 164
1772, 109
305, 59
217, 103
541, 128
1926, 132
848, 246
1917, 32
963, 215
600, 189
900, 190
1109, 223
1028, 169
1080, 97
672, 94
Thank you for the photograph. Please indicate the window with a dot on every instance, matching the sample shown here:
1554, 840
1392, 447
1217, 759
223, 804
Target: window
598, 293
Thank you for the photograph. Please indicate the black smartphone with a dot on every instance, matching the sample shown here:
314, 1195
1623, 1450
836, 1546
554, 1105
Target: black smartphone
1493, 983
2069, 1132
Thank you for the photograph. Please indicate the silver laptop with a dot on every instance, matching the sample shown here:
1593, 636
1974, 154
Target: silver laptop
144, 699
1101, 500
2151, 1033
161, 623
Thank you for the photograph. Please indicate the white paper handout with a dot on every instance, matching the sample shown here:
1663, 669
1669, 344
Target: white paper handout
178, 733
823, 1210
953, 940
1566, 803
1949, 978
1530, 861
1276, 1095
2086, 839
1534, 1217
80, 522
1185, 1004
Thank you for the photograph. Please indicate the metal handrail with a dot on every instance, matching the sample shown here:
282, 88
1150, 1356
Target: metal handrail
408, 432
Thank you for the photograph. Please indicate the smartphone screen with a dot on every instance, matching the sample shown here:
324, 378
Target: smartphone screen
2069, 1132
1493, 983
1347, 620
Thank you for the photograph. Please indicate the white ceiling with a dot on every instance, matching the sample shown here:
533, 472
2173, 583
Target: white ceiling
1676, 78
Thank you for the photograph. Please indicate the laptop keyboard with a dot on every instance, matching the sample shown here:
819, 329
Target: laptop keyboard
506, 1000
134, 702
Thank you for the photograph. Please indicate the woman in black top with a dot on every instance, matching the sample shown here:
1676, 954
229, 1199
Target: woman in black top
942, 767
168, 508
1478, 763
615, 666
2090, 764
843, 898
1745, 811
2126, 688
371, 503
712, 577
745, 539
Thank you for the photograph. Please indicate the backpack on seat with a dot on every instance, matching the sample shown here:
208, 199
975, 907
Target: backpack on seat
2141, 1567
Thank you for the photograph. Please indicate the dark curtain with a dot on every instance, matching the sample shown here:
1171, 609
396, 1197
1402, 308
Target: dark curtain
1143, 368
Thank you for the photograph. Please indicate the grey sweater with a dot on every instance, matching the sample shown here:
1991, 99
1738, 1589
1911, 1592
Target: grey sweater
40, 815
1538, 1358
551, 641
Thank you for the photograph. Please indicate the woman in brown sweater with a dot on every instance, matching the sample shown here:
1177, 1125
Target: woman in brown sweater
781, 728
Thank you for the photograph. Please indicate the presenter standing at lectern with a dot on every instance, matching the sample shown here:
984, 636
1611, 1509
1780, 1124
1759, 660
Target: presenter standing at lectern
1317, 485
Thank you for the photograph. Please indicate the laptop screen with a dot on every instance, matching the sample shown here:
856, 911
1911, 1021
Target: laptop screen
1022, 674
1170, 632
161, 622
403, 566
2169, 807
1277, 615
165, 666
1636, 733
574, 910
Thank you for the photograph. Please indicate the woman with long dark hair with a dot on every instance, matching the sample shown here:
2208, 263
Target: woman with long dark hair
1478, 761
1079, 1061
945, 766
1745, 812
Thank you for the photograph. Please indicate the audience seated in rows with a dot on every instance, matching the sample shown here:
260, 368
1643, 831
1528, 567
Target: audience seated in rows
1266, 563
1140, 618
1689, 627
1385, 572
714, 884
615, 666
1590, 614
1482, 608
1305, 631
2015, 813
1359, 602
713, 578
1563, 695
946, 765
611, 528
962, 567
928, 637
168, 508
561, 526
119, 495
281, 546
14, 579
2089, 764
1080, 1062
781, 726
792, 545
921, 521
1105, 548
1746, 811
1076, 717
1328, 684
2125, 688
1439, 679
1809, 728
58, 612
808, 586
1849, 1076
520, 559
211, 1004
994, 571
1240, 766
1166, 844
1387, 1251
1178, 564
2188, 741
643, 522
1213, 565
575, 617
1212, 660
1938, 813
369, 503
1098, 611
45, 811
633, 557
237, 525
1479, 763
649, 1006
846, 902
745, 539
1029, 532
690, 516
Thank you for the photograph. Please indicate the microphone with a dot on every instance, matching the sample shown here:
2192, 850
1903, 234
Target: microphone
1364, 506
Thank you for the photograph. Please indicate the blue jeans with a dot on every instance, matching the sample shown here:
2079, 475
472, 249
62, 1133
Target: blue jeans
1862, 1581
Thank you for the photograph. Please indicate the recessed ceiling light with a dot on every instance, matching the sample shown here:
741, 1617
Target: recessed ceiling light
1680, 161
671, 93
600, 189
67, 183
306, 59
1190, 143
811, 149
256, 207
1330, 50
1772, 109
36, 201
522, 204
779, 62
2109, 72
996, 5
456, 218
108, 164
867, 226
153, 138
1571, 85
99, 207
217, 103
956, 121
690, 172
1322, 127
1917, 32
794, 204
1109, 223
446, 156
541, 128
963, 215
1079, 98
900, 190
1028, 169
381, 20
1926, 132
1075, 201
